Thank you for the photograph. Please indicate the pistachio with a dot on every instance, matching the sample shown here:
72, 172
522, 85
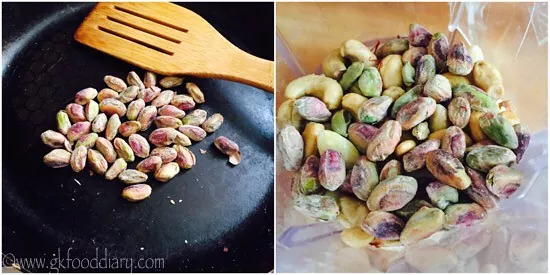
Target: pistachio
75, 112
139, 145
408, 74
390, 70
111, 129
479, 145
212, 124
167, 171
128, 128
454, 142
128, 94
84, 96
182, 139
308, 178
340, 122
78, 158
438, 88
463, 215
412, 207
309, 135
422, 224
370, 82
170, 81
447, 169
132, 176
413, 54
351, 75
456, 80
383, 225
333, 65
413, 113
459, 111
163, 98
419, 36
407, 97
183, 102
374, 110
184, 157
478, 190
91, 110
150, 164
167, 122
55, 140
323, 208
425, 69
134, 80
479, 101
231, 149
393, 92
166, 154
148, 94
391, 169
100, 123
486, 157
193, 132
146, 117
195, 92
136, 192
332, 171
163, 136
422, 130
330, 140
524, 136
392, 194
123, 150
97, 162
77, 130
171, 110
499, 130
196, 117
439, 49
111, 106
87, 140
438, 121
291, 148
363, 178
395, 46
115, 83
459, 61
312, 109
355, 50
134, 108
104, 146
150, 79
57, 158
416, 158
118, 166
503, 181
356, 237
441, 195
360, 135
107, 93
63, 122
383, 143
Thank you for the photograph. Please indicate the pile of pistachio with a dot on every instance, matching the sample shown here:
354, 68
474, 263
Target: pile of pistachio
82, 122
401, 141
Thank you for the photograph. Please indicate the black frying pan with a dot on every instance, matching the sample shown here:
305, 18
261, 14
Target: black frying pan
225, 220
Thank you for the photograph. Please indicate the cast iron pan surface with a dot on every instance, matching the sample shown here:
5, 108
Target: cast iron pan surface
224, 222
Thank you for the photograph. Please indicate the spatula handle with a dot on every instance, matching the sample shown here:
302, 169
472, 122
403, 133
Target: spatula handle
248, 69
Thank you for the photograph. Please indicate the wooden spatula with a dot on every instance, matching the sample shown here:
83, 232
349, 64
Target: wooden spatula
170, 40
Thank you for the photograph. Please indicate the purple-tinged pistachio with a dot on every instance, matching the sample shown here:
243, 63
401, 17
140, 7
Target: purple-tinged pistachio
441, 194
107, 93
163, 136
478, 99
332, 170
392, 194
111, 106
422, 130
463, 215
408, 74
184, 157
425, 69
128, 94
498, 129
168, 122
106, 148
123, 150
486, 157
419, 36
308, 177
370, 82
118, 166
166, 154
416, 158
439, 49
87, 140
170, 81
459, 112
193, 132
413, 54
360, 135
196, 117
409, 96
136, 192
115, 83
454, 142
77, 130
346, 186
150, 79
459, 60
91, 110
383, 225
412, 207
291, 147
312, 109
195, 92
171, 110
150, 164
75, 112
413, 113
447, 169
375, 109
63, 122
134, 80
78, 158
182, 139
390, 70
149, 94
340, 122
394, 46
383, 143
212, 124
438, 88
111, 129
478, 190
351, 74
55, 140
391, 169
97, 162
84, 96
139, 145
100, 123
323, 208
167, 172
128, 128
134, 108
57, 158
132, 176
363, 178
524, 136
163, 98
147, 116
231, 149
503, 181
183, 102
422, 224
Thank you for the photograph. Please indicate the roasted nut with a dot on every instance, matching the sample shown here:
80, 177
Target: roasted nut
136, 192
107, 93
78, 158
170, 110
524, 136
419, 36
308, 178
458, 60
422, 224
404, 147
333, 65
363, 178
170, 81
231, 149
438, 88
310, 138
57, 158
383, 225
196, 117
123, 150
150, 164
456, 80
166, 154
475, 128
55, 140
469, 141
111, 106
150, 79
75, 112
463, 215
390, 70
413, 54
193, 132
438, 121
87, 140
511, 117
163, 98
115, 83
167, 122
212, 124
416, 158
116, 168
356, 237
167, 172
499, 130
391, 169
360, 135
459, 112
78, 129
288, 115
351, 75
105, 147
146, 117
383, 143
454, 142
85, 95
478, 191
312, 109
139, 145
97, 162
374, 110
486, 75
291, 147
163, 136
408, 74
131, 176
182, 139
128, 128
351, 103
148, 94
100, 123
392, 194
503, 181
395, 46
183, 102
63, 122
407, 97
506, 105
128, 94
411, 208
184, 157
134, 108
370, 82
439, 49
422, 130
486, 157
91, 110
478, 145
352, 211
133, 79
195, 92
425, 69
447, 169
355, 51
415, 112
330, 140
441, 195
324, 208
340, 122
332, 170
112, 127
393, 92
479, 100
